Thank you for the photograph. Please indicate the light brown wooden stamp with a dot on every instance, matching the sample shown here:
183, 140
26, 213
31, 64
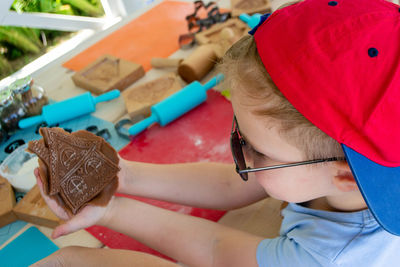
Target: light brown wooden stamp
139, 99
249, 7
216, 34
223, 35
108, 73
7, 202
32, 208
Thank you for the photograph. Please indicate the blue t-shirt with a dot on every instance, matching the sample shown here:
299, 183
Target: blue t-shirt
311, 237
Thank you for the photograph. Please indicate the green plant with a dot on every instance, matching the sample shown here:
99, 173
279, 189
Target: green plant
87, 7
68, 7
18, 38
5, 67
20, 44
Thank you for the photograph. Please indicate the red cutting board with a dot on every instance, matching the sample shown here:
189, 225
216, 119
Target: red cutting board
200, 135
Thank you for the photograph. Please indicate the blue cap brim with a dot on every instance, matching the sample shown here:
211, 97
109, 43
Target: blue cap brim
262, 19
380, 187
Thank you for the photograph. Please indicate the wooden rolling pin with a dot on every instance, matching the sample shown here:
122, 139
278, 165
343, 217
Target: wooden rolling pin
198, 64
159, 63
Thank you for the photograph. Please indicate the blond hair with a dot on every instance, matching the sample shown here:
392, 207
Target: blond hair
244, 71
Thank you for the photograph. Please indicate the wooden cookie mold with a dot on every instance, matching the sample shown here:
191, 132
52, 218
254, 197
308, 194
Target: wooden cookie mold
139, 99
249, 7
108, 73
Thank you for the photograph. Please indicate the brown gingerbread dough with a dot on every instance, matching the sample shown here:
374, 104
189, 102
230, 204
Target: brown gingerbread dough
76, 169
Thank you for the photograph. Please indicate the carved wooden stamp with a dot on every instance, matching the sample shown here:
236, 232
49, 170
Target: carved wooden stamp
139, 99
215, 34
223, 35
108, 73
32, 208
7, 202
250, 7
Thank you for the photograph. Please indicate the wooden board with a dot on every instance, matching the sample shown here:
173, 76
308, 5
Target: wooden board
213, 35
223, 35
32, 208
249, 7
7, 203
139, 99
107, 73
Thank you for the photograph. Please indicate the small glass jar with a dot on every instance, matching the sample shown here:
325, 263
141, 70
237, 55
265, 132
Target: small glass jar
31, 95
12, 110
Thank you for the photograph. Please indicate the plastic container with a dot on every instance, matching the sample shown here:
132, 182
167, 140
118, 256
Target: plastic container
18, 169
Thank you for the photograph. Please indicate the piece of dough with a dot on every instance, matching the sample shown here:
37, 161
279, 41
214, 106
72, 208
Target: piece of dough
76, 169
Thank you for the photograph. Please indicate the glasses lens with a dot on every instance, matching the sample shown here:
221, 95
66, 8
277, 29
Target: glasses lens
237, 154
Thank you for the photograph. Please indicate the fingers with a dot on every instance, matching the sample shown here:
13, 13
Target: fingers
69, 227
53, 205
60, 231
74, 224
39, 180
36, 172
86, 217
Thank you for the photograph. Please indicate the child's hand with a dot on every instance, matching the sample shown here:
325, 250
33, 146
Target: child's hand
88, 216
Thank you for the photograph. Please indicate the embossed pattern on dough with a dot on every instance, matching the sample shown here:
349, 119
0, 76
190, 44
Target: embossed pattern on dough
80, 165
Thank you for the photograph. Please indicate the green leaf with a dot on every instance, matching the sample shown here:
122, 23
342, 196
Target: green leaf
47, 6
5, 66
64, 9
85, 7
31, 34
26, 6
18, 40
15, 53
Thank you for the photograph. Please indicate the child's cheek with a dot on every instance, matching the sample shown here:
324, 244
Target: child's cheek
272, 184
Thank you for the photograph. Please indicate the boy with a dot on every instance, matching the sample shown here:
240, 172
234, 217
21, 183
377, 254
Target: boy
318, 78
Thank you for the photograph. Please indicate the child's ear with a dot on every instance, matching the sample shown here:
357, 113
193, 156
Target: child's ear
344, 180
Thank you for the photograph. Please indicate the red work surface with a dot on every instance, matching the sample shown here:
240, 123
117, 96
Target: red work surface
200, 135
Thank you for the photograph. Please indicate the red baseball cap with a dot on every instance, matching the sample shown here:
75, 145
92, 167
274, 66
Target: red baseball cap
338, 63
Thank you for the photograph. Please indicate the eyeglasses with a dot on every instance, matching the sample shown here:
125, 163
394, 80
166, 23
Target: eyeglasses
237, 143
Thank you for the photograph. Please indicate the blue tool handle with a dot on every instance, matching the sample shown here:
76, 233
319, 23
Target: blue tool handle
28, 122
252, 20
142, 125
213, 81
177, 104
107, 96
184, 100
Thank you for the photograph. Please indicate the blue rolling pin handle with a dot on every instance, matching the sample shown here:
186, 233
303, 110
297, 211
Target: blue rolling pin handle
28, 122
252, 20
213, 81
107, 96
142, 125
177, 104
245, 17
